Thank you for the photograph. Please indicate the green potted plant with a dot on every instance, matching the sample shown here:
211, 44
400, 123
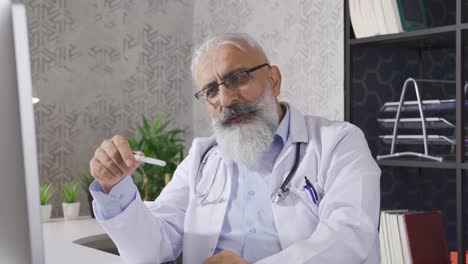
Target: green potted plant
46, 192
86, 180
157, 141
71, 208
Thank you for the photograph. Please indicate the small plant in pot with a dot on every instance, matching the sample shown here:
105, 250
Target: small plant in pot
71, 208
46, 192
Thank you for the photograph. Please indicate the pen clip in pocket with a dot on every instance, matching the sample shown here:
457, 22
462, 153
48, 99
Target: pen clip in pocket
312, 191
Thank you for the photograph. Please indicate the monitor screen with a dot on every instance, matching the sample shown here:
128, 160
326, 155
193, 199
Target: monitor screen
20, 224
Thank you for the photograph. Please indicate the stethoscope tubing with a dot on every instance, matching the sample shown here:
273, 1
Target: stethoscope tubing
280, 193
288, 179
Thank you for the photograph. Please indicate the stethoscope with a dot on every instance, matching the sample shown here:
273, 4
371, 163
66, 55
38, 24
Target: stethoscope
277, 196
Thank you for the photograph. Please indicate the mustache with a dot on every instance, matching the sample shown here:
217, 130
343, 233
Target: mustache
236, 110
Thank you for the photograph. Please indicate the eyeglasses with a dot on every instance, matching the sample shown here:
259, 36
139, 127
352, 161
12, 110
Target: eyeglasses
235, 82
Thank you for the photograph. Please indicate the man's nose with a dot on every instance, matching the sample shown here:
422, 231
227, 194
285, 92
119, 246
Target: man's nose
227, 97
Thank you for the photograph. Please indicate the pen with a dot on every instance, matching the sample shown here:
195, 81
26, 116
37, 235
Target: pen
313, 193
148, 160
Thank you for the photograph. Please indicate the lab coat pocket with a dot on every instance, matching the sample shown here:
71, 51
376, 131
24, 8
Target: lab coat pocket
306, 211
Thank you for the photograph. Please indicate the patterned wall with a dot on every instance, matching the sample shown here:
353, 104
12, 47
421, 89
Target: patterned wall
303, 37
99, 64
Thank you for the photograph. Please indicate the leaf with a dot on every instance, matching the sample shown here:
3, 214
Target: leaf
160, 129
46, 192
69, 193
157, 121
145, 123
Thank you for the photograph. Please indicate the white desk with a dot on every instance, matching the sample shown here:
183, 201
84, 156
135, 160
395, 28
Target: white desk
59, 236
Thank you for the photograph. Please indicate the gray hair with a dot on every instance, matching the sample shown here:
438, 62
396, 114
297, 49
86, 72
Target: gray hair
225, 39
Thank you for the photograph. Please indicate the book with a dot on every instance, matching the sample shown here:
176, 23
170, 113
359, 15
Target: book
383, 239
404, 239
397, 253
426, 237
392, 16
385, 235
412, 237
355, 17
412, 14
369, 18
379, 17
454, 257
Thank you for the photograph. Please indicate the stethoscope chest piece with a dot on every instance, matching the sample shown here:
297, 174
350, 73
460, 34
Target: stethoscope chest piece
279, 195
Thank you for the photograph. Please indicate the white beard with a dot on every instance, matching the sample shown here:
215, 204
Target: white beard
245, 142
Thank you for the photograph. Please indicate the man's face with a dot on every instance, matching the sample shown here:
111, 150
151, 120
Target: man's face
244, 119
219, 63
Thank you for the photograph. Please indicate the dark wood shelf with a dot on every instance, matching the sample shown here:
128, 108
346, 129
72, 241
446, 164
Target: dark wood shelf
437, 52
405, 36
418, 163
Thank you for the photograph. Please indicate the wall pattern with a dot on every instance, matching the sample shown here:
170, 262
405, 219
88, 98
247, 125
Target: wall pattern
98, 65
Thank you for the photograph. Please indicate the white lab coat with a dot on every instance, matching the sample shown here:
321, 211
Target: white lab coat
342, 228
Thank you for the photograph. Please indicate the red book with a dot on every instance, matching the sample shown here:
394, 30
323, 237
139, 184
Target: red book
427, 243
454, 257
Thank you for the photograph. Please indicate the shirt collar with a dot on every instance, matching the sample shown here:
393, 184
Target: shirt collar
283, 129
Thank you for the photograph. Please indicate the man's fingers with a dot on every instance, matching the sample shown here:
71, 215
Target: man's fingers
107, 162
112, 161
124, 149
100, 172
113, 152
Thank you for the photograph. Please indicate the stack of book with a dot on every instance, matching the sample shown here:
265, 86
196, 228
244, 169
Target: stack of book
412, 237
380, 17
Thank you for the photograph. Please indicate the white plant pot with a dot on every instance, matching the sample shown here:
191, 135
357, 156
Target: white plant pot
71, 210
46, 211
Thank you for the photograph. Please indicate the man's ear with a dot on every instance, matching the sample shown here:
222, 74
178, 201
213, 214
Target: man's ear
275, 78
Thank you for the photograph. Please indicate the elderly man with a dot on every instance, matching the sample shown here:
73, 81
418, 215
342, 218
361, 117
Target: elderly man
271, 185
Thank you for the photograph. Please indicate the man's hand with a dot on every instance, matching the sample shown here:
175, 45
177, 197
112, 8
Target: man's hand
225, 257
112, 161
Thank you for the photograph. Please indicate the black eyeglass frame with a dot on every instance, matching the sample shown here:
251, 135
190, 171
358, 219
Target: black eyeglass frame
200, 94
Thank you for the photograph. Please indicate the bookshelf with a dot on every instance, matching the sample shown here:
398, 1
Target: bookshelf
375, 70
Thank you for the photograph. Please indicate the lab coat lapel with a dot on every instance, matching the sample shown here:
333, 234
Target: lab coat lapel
282, 211
203, 224
298, 133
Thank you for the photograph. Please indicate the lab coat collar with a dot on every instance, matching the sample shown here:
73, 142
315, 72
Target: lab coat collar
298, 131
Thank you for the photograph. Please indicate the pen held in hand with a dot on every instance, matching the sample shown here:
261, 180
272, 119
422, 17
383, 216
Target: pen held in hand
148, 160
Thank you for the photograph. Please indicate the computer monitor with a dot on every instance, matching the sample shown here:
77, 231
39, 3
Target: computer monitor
20, 222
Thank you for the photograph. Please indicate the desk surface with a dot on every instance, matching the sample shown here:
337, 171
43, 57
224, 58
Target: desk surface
59, 236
